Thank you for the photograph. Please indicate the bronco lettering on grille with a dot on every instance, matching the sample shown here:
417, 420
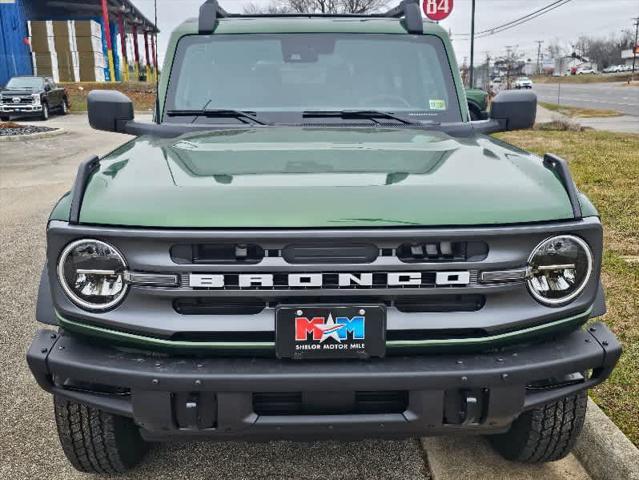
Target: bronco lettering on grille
324, 280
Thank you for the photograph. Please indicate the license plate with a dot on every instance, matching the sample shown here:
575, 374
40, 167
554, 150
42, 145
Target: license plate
308, 332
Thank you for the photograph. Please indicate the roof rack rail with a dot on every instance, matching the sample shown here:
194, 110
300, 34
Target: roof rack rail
209, 13
410, 10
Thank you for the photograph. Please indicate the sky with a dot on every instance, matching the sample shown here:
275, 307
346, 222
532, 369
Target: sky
564, 24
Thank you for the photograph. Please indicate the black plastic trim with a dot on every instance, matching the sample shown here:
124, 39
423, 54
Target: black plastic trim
56, 360
45, 312
410, 10
560, 166
210, 10
85, 170
599, 307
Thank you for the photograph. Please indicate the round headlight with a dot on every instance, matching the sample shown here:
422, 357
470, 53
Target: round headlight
559, 269
91, 273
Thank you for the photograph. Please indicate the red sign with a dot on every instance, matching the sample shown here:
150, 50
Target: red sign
437, 10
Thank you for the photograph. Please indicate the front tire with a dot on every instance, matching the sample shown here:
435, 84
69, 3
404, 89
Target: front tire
64, 108
95, 441
546, 433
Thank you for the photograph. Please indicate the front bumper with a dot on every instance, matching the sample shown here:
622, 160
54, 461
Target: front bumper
218, 397
19, 109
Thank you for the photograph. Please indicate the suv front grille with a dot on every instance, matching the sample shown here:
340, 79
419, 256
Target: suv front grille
448, 301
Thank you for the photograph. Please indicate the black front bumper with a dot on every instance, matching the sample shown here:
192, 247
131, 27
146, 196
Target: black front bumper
218, 397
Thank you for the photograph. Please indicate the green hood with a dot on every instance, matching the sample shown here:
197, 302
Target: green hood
321, 177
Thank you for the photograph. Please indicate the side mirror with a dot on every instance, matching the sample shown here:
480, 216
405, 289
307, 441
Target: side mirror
47, 88
109, 110
510, 110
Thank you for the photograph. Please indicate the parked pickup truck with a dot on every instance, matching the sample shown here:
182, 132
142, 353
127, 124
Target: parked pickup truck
477, 103
314, 240
32, 96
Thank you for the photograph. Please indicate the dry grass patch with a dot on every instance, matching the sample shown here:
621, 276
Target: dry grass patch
576, 112
141, 94
605, 167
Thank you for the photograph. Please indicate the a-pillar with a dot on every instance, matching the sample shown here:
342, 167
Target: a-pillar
107, 32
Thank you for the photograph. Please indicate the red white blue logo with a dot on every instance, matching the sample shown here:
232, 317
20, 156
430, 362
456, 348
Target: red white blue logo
320, 329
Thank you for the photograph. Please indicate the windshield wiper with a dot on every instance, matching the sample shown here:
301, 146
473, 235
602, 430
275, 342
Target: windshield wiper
217, 113
357, 114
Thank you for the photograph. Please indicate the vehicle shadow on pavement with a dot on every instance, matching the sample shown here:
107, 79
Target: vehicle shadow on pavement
367, 459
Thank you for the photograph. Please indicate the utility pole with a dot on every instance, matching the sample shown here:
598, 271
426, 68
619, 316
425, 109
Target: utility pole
508, 64
487, 84
539, 42
472, 45
634, 50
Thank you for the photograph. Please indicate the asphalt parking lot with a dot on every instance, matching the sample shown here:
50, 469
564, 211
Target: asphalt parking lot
609, 96
33, 175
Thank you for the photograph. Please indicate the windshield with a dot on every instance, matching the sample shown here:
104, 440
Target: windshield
314, 72
25, 83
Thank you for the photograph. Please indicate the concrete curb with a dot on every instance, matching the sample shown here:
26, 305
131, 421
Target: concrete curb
34, 136
472, 457
603, 450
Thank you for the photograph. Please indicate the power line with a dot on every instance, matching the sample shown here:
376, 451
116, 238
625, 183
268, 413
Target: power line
518, 21
528, 19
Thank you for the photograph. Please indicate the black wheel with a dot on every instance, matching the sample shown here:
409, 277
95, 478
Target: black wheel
5, 118
45, 112
546, 433
95, 441
64, 108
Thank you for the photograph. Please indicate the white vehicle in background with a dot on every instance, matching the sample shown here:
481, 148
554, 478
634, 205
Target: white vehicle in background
523, 82
585, 71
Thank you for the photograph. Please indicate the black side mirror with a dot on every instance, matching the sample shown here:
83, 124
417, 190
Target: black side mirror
510, 110
109, 110
47, 88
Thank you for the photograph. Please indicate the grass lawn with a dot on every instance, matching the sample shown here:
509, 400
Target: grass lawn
605, 167
142, 94
577, 112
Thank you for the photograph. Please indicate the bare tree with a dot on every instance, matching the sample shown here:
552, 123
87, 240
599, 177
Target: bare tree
603, 51
317, 6
362, 6
273, 8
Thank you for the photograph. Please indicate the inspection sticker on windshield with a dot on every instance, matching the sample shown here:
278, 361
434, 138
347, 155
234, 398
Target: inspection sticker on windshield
437, 104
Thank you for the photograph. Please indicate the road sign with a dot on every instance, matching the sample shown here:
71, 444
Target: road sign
437, 10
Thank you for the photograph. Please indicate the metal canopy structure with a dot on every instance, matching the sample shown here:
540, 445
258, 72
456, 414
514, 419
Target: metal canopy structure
120, 15
78, 9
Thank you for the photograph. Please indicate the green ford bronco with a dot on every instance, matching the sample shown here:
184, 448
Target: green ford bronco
313, 240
